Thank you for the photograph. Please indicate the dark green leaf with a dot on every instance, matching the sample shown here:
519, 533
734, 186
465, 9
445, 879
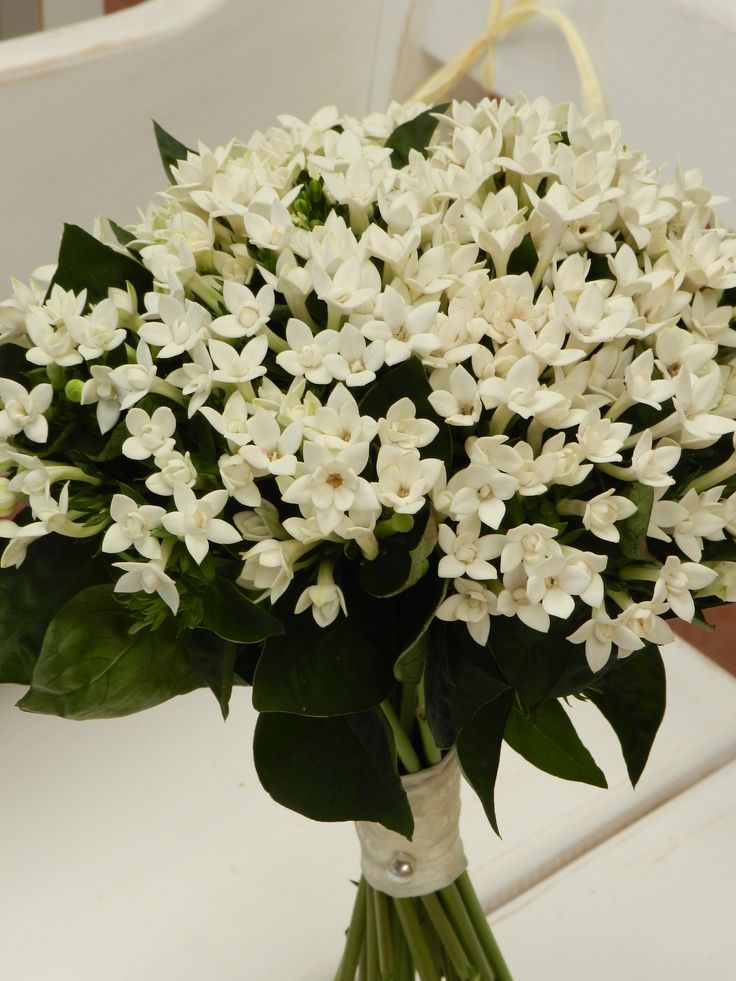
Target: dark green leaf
91, 667
121, 234
415, 134
460, 678
479, 750
530, 661
214, 662
548, 740
231, 615
344, 668
409, 380
633, 699
524, 258
340, 769
171, 150
54, 570
86, 263
409, 665
633, 530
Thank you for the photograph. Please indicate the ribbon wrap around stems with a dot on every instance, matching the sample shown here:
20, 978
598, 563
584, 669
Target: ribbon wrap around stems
499, 23
434, 858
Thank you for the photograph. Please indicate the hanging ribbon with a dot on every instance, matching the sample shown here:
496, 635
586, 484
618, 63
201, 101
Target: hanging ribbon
497, 24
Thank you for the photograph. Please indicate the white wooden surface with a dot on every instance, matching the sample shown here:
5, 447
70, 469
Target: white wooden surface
144, 847
76, 104
653, 903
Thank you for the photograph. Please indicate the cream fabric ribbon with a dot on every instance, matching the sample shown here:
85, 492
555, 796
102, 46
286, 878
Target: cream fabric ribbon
498, 23
434, 857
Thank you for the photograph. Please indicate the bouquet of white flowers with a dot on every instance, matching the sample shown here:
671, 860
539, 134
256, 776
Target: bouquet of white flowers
417, 424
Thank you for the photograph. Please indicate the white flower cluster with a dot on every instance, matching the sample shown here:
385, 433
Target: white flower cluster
570, 309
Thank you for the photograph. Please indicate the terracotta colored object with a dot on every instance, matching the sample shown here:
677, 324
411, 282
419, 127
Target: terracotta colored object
720, 644
112, 5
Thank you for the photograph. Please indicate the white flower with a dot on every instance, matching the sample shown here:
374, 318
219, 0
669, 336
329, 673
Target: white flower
693, 401
601, 439
355, 363
514, 601
173, 468
272, 450
53, 344
675, 582
133, 381
248, 312
652, 466
196, 521
183, 327
520, 390
403, 328
150, 435
269, 565
132, 525
23, 412
338, 422
456, 397
526, 545
553, 582
307, 353
21, 536
238, 479
645, 621
331, 483
324, 598
194, 378
603, 511
473, 604
98, 331
355, 283
401, 427
101, 390
466, 552
235, 367
691, 519
267, 220
600, 634
404, 479
480, 489
148, 577
232, 422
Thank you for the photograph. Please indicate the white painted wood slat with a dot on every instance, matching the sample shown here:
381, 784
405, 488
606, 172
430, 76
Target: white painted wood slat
145, 848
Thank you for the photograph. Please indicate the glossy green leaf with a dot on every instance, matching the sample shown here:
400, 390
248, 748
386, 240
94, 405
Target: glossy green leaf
170, 149
214, 661
231, 615
339, 769
415, 134
54, 570
461, 677
343, 668
121, 234
409, 665
91, 667
479, 750
86, 263
548, 740
633, 698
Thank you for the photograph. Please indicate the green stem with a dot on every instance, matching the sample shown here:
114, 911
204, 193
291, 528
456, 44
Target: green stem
415, 939
431, 751
482, 928
460, 919
383, 934
408, 707
502, 416
355, 935
447, 935
371, 939
406, 752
